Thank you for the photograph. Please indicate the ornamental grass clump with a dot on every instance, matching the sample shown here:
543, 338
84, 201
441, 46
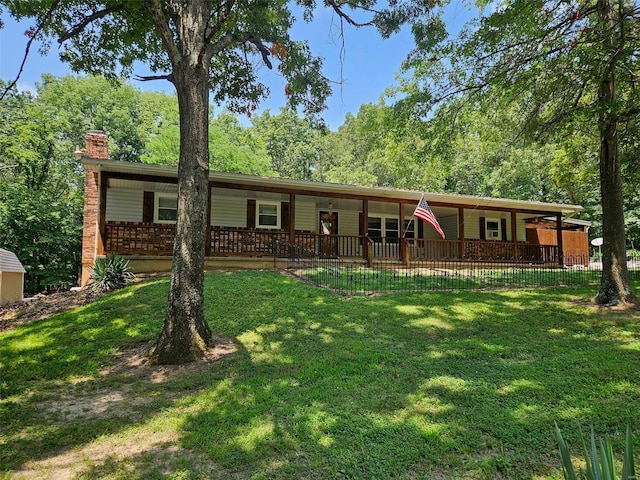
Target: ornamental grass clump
110, 273
599, 459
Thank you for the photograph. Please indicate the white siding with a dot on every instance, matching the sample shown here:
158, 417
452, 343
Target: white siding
520, 227
449, 225
124, 205
307, 216
349, 222
472, 223
228, 211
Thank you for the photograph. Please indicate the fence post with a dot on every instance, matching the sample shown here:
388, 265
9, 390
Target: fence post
559, 237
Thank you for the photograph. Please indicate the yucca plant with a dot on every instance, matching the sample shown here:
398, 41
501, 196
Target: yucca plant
600, 463
110, 273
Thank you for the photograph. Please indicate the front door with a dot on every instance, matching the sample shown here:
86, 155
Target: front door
328, 228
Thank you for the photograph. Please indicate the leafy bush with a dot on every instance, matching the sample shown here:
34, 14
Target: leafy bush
599, 466
110, 273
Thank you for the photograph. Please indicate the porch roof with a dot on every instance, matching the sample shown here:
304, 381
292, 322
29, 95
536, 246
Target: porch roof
332, 189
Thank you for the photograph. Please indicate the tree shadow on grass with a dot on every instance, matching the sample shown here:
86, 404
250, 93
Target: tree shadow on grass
421, 385
369, 388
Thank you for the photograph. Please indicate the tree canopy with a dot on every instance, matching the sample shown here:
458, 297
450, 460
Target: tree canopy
533, 53
200, 47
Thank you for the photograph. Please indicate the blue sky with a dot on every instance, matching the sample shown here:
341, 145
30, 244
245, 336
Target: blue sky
368, 64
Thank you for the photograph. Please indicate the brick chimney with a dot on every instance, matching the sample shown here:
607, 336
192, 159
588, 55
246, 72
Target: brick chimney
96, 145
96, 148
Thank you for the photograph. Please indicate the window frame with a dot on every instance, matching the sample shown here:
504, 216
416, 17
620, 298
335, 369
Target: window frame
409, 232
498, 230
278, 215
383, 229
156, 207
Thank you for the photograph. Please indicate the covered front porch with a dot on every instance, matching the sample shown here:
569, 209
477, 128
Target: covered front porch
263, 218
148, 239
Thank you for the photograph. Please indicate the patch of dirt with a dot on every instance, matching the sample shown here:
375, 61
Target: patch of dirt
592, 305
135, 362
115, 400
43, 306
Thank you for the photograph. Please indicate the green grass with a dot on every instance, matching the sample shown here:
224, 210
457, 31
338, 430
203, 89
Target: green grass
431, 385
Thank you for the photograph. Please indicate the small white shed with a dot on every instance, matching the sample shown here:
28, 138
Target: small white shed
11, 277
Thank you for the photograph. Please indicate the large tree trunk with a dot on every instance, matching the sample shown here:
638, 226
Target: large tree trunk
185, 334
615, 287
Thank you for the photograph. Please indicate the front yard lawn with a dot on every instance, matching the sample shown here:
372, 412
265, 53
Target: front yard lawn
432, 385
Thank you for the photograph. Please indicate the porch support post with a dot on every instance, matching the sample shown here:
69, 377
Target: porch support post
514, 235
559, 237
102, 216
292, 218
461, 233
207, 246
365, 227
404, 251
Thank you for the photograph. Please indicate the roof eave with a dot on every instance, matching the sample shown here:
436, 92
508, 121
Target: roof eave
96, 165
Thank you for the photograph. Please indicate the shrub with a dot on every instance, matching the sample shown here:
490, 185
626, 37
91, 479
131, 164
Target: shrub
600, 462
110, 273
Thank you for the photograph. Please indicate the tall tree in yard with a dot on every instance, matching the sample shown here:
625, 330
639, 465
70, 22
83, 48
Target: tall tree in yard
198, 45
570, 61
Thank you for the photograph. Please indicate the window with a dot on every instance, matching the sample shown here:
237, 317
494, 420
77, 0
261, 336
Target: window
391, 230
409, 229
268, 215
493, 229
166, 208
374, 228
383, 227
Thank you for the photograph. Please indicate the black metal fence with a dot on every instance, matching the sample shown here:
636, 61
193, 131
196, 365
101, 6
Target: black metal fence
355, 277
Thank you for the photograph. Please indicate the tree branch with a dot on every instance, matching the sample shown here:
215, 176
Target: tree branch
148, 78
221, 20
626, 116
87, 20
155, 9
32, 36
338, 9
263, 50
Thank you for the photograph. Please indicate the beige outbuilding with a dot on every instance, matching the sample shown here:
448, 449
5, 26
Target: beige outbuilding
11, 277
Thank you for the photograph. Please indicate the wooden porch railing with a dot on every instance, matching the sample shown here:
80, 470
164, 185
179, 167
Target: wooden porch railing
244, 241
428, 249
130, 238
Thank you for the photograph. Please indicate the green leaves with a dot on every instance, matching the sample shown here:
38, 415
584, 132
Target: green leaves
110, 273
599, 458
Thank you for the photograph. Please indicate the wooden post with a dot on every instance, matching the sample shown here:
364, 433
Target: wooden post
461, 233
292, 218
365, 228
514, 235
404, 251
207, 247
559, 237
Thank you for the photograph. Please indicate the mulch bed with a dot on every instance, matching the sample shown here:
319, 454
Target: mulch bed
42, 306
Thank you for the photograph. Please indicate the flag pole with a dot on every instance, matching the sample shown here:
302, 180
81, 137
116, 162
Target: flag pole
406, 229
412, 217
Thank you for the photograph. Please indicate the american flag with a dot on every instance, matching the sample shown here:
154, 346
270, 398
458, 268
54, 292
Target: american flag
423, 212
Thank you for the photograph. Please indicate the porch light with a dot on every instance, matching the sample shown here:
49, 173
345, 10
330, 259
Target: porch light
330, 208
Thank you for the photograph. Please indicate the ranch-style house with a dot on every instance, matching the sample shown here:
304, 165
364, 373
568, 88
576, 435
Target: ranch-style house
258, 222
